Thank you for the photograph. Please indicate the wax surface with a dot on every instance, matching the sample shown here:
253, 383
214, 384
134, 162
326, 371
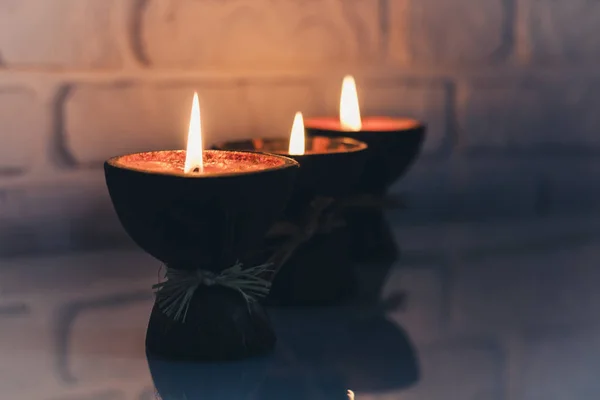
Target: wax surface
215, 162
314, 145
369, 124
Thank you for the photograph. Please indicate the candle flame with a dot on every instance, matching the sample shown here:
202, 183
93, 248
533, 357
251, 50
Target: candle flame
194, 154
349, 108
350, 395
297, 145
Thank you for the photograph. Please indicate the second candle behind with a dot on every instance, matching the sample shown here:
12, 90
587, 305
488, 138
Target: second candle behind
310, 246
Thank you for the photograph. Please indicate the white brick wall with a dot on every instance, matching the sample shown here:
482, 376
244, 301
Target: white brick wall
509, 89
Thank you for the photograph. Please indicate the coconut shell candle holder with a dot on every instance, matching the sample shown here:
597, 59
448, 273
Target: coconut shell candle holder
315, 267
394, 144
201, 226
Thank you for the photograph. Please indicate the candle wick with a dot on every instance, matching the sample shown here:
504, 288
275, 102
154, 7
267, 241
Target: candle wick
196, 169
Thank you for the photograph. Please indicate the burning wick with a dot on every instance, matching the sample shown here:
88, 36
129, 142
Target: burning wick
349, 108
194, 154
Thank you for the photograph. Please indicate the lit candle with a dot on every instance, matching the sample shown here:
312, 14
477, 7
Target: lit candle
349, 107
329, 170
394, 144
194, 161
298, 146
201, 214
350, 119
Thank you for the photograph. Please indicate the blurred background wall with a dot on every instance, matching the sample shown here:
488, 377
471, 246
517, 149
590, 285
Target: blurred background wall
509, 89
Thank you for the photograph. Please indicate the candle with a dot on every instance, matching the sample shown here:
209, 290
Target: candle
394, 144
298, 146
330, 166
315, 269
201, 214
194, 161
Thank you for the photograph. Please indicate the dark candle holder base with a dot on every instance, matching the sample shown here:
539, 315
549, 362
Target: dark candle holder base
374, 241
320, 272
220, 325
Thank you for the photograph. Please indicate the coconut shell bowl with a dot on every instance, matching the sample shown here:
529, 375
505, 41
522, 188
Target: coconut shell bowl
310, 244
208, 221
393, 146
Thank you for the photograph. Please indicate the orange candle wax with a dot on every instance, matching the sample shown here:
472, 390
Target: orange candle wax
216, 163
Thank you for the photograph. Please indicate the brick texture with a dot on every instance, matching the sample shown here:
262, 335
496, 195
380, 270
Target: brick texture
30, 351
106, 338
257, 33
424, 100
562, 31
530, 115
502, 311
108, 120
477, 366
101, 395
424, 305
560, 365
59, 33
512, 293
17, 141
272, 106
506, 88
60, 216
455, 31
509, 90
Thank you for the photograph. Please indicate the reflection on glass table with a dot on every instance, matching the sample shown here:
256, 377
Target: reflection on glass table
320, 354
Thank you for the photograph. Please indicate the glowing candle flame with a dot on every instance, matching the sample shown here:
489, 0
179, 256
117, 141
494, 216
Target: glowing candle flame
349, 108
297, 144
350, 395
194, 153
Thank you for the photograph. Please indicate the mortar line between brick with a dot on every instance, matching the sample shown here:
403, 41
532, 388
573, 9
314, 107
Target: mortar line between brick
13, 75
384, 11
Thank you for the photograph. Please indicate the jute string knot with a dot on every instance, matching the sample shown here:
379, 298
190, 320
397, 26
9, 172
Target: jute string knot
206, 278
174, 294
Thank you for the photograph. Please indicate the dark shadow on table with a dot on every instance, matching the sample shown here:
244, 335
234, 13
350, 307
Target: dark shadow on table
320, 354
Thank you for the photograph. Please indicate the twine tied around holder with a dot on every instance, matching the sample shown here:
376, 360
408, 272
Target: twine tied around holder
174, 294
323, 216
315, 221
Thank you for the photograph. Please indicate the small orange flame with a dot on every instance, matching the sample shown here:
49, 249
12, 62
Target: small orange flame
350, 394
194, 153
349, 108
297, 144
